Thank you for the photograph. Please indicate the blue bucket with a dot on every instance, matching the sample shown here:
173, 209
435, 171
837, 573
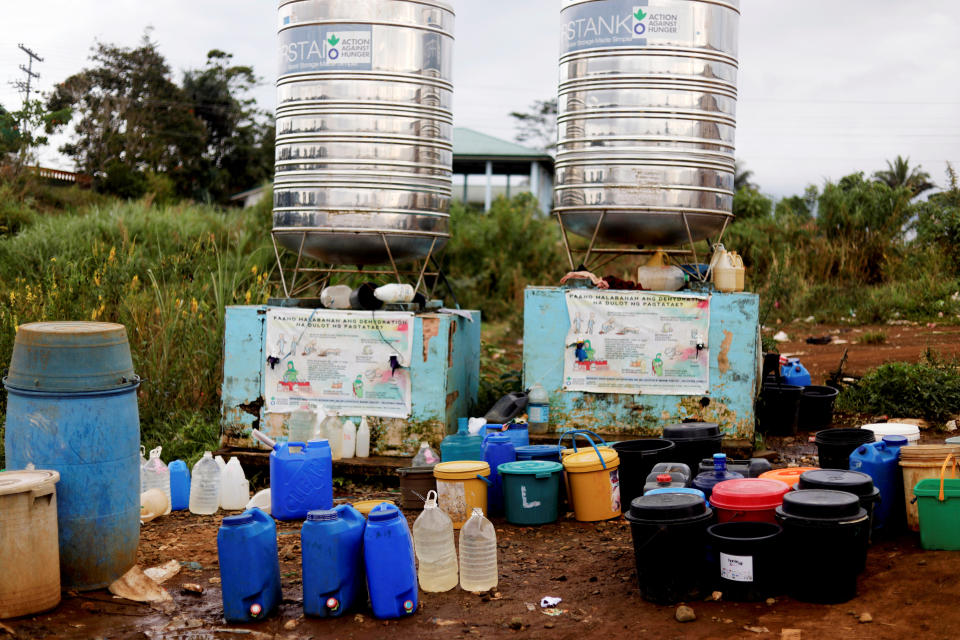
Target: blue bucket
545, 452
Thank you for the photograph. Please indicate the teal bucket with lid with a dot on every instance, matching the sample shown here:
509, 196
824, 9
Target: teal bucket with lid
531, 491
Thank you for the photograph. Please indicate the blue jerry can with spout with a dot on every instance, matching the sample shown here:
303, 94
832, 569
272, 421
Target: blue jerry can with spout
301, 479
331, 543
795, 373
389, 562
249, 566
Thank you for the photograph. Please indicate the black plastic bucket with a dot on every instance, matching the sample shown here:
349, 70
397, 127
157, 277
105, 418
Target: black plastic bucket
745, 559
415, 483
669, 546
778, 408
856, 482
816, 407
694, 441
834, 446
637, 458
825, 535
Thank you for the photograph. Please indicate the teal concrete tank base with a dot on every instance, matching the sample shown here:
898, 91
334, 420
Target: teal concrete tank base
445, 374
734, 352
531, 491
93, 440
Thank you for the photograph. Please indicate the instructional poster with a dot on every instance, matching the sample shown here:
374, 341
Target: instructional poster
637, 342
352, 362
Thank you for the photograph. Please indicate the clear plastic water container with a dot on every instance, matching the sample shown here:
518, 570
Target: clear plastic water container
478, 554
434, 547
205, 486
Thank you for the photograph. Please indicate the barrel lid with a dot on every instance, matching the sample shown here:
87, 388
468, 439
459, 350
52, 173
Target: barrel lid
461, 469
70, 357
498, 438
367, 506
790, 475
426, 469
27, 480
235, 521
881, 429
749, 494
540, 449
321, 515
895, 441
821, 504
586, 460
844, 436
691, 431
855, 482
693, 492
667, 507
529, 467
384, 511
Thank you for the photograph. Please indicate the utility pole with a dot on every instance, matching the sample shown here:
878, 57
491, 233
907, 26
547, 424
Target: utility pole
24, 85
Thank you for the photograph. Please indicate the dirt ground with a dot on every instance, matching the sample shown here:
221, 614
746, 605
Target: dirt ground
903, 343
908, 592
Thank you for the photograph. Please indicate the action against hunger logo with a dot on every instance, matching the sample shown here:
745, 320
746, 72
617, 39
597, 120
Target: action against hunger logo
639, 28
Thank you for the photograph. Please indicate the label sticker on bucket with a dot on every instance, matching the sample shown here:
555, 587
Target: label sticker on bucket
736, 568
452, 498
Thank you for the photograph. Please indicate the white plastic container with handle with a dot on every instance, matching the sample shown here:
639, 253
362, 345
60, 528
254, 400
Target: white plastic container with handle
205, 486
349, 439
435, 549
363, 439
234, 487
478, 553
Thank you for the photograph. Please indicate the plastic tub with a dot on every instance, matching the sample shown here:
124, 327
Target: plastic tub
637, 458
366, 506
789, 475
917, 463
531, 491
687, 490
938, 503
415, 483
693, 441
834, 446
462, 486
778, 408
746, 559
816, 407
669, 533
594, 483
910, 431
748, 500
548, 452
855, 482
826, 535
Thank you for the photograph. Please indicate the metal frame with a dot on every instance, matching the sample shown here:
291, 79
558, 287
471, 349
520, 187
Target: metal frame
319, 277
609, 254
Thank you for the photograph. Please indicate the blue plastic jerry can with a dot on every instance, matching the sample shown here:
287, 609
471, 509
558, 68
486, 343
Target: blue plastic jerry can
249, 567
179, 485
389, 562
881, 461
301, 479
795, 373
498, 449
331, 542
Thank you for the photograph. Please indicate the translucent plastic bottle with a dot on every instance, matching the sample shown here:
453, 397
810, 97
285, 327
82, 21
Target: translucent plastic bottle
332, 430
156, 475
234, 487
363, 439
143, 461
538, 409
478, 553
349, 439
394, 292
301, 425
434, 546
205, 486
336, 297
425, 457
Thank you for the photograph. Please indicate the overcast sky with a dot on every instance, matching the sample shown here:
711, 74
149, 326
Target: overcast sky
827, 87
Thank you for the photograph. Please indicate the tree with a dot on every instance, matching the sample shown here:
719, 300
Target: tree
899, 174
741, 178
539, 125
25, 130
749, 203
800, 207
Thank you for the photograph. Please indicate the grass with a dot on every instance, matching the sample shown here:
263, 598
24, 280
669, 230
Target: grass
873, 338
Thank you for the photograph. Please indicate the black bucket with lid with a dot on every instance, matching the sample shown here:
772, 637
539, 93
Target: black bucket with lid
816, 407
669, 546
415, 483
745, 559
834, 446
825, 533
778, 408
693, 442
637, 458
856, 482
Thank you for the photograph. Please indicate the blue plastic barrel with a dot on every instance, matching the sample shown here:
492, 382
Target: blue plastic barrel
249, 566
388, 559
179, 485
331, 543
544, 452
498, 449
301, 479
881, 461
72, 408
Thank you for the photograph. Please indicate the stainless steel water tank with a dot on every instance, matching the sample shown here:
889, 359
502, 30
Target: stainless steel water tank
646, 114
364, 128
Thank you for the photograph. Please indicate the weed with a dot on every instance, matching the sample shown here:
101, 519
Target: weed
873, 338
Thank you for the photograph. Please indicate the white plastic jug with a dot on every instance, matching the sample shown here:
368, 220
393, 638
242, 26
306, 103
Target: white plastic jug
478, 553
153, 504
363, 439
740, 270
205, 486
234, 487
156, 475
394, 292
657, 275
332, 430
349, 439
425, 457
301, 425
336, 297
433, 544
143, 461
724, 270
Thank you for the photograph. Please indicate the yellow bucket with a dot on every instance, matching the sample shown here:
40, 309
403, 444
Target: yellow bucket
919, 462
594, 485
366, 506
461, 487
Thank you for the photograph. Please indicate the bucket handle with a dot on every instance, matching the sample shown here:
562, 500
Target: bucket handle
943, 470
589, 435
485, 479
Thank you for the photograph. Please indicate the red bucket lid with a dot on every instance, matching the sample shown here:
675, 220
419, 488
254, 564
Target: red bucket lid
748, 494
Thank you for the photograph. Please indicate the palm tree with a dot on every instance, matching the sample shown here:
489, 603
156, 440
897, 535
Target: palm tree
741, 177
899, 174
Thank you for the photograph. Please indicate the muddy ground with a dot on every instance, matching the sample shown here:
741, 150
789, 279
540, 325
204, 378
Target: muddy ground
908, 593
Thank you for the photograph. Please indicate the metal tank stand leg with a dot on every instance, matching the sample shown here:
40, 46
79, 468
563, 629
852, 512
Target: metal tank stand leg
726, 221
566, 245
693, 245
276, 253
593, 238
426, 263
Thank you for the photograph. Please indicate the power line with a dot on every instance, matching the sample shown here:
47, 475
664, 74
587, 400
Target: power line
24, 85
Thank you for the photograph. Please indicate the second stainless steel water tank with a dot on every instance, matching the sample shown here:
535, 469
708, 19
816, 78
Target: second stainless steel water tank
364, 128
647, 106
